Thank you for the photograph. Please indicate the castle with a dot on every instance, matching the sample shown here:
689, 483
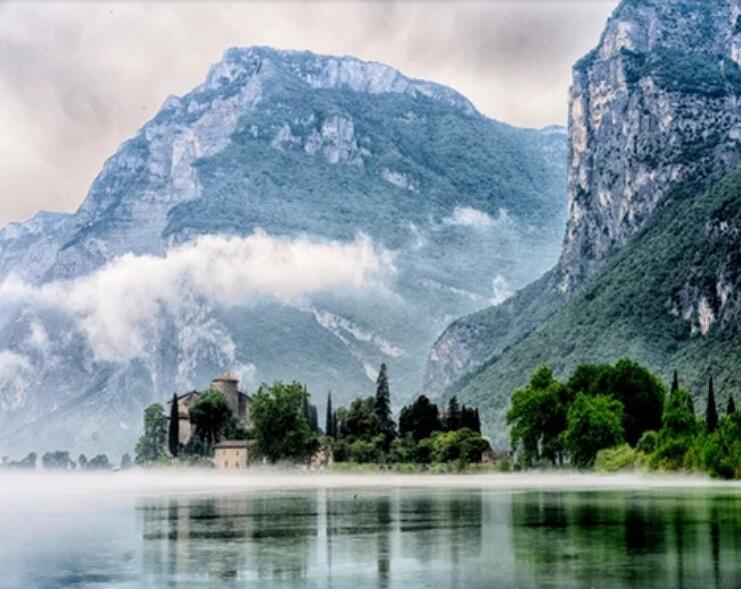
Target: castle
239, 403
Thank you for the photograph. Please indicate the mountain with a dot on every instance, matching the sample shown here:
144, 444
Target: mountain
649, 267
294, 216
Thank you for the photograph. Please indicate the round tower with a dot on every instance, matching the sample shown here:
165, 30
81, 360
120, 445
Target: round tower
227, 384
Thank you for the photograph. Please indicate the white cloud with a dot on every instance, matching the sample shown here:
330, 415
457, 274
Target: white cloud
14, 369
470, 217
501, 290
116, 305
38, 337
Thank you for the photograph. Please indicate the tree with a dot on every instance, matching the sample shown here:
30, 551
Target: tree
340, 415
594, 423
211, 417
125, 461
151, 444
731, 408
721, 453
329, 427
360, 421
640, 392
58, 460
453, 415
382, 407
282, 431
470, 419
420, 419
677, 433
82, 461
99, 462
537, 418
173, 432
711, 411
675, 383
27, 463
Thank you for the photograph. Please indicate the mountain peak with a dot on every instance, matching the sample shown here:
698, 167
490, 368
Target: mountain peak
328, 72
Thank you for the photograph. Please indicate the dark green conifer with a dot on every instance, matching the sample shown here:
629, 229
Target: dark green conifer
731, 408
173, 432
453, 415
711, 412
382, 405
675, 383
329, 425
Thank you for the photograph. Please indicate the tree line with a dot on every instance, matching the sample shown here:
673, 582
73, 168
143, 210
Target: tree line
619, 416
61, 460
285, 428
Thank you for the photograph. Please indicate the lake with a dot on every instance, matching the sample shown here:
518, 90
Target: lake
355, 532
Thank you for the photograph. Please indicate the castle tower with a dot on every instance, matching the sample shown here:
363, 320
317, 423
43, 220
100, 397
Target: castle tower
227, 384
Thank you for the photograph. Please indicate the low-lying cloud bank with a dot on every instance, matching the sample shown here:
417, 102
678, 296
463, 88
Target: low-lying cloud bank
116, 304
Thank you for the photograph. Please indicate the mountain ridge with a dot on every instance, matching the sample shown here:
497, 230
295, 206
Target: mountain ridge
415, 182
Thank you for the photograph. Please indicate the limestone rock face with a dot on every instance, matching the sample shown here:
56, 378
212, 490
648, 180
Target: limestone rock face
656, 103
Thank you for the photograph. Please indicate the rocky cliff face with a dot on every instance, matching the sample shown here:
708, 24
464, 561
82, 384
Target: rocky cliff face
654, 105
236, 231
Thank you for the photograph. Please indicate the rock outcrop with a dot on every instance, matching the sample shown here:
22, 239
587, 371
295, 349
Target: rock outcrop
656, 104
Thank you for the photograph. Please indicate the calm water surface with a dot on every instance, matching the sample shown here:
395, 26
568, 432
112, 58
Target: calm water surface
387, 538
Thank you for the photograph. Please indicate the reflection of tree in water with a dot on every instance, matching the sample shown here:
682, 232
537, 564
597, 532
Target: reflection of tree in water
624, 540
386, 537
228, 537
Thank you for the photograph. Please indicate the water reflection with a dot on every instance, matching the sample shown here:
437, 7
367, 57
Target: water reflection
380, 538
367, 538
627, 540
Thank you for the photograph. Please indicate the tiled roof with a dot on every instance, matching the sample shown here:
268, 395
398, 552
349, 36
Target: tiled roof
234, 444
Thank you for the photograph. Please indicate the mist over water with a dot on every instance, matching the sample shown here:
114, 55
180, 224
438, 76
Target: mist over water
190, 529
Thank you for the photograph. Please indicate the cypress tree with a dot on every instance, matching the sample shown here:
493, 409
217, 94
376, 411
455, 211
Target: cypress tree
711, 412
335, 426
173, 433
731, 409
328, 427
313, 419
453, 416
382, 405
675, 383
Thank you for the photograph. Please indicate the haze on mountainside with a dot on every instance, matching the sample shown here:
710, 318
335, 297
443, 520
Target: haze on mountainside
281, 221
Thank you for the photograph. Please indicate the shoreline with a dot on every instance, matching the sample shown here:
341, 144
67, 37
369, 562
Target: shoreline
31, 486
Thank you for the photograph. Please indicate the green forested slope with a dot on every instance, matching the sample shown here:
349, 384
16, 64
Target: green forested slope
681, 276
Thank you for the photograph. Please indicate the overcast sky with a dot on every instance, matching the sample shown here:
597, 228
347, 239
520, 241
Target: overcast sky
77, 79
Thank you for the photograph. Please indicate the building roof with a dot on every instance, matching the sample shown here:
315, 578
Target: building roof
226, 377
188, 394
234, 444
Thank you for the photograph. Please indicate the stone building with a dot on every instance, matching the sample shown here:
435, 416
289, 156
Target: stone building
232, 454
239, 403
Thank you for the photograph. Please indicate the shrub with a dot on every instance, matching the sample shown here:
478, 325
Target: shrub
721, 451
364, 451
462, 445
621, 457
648, 442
